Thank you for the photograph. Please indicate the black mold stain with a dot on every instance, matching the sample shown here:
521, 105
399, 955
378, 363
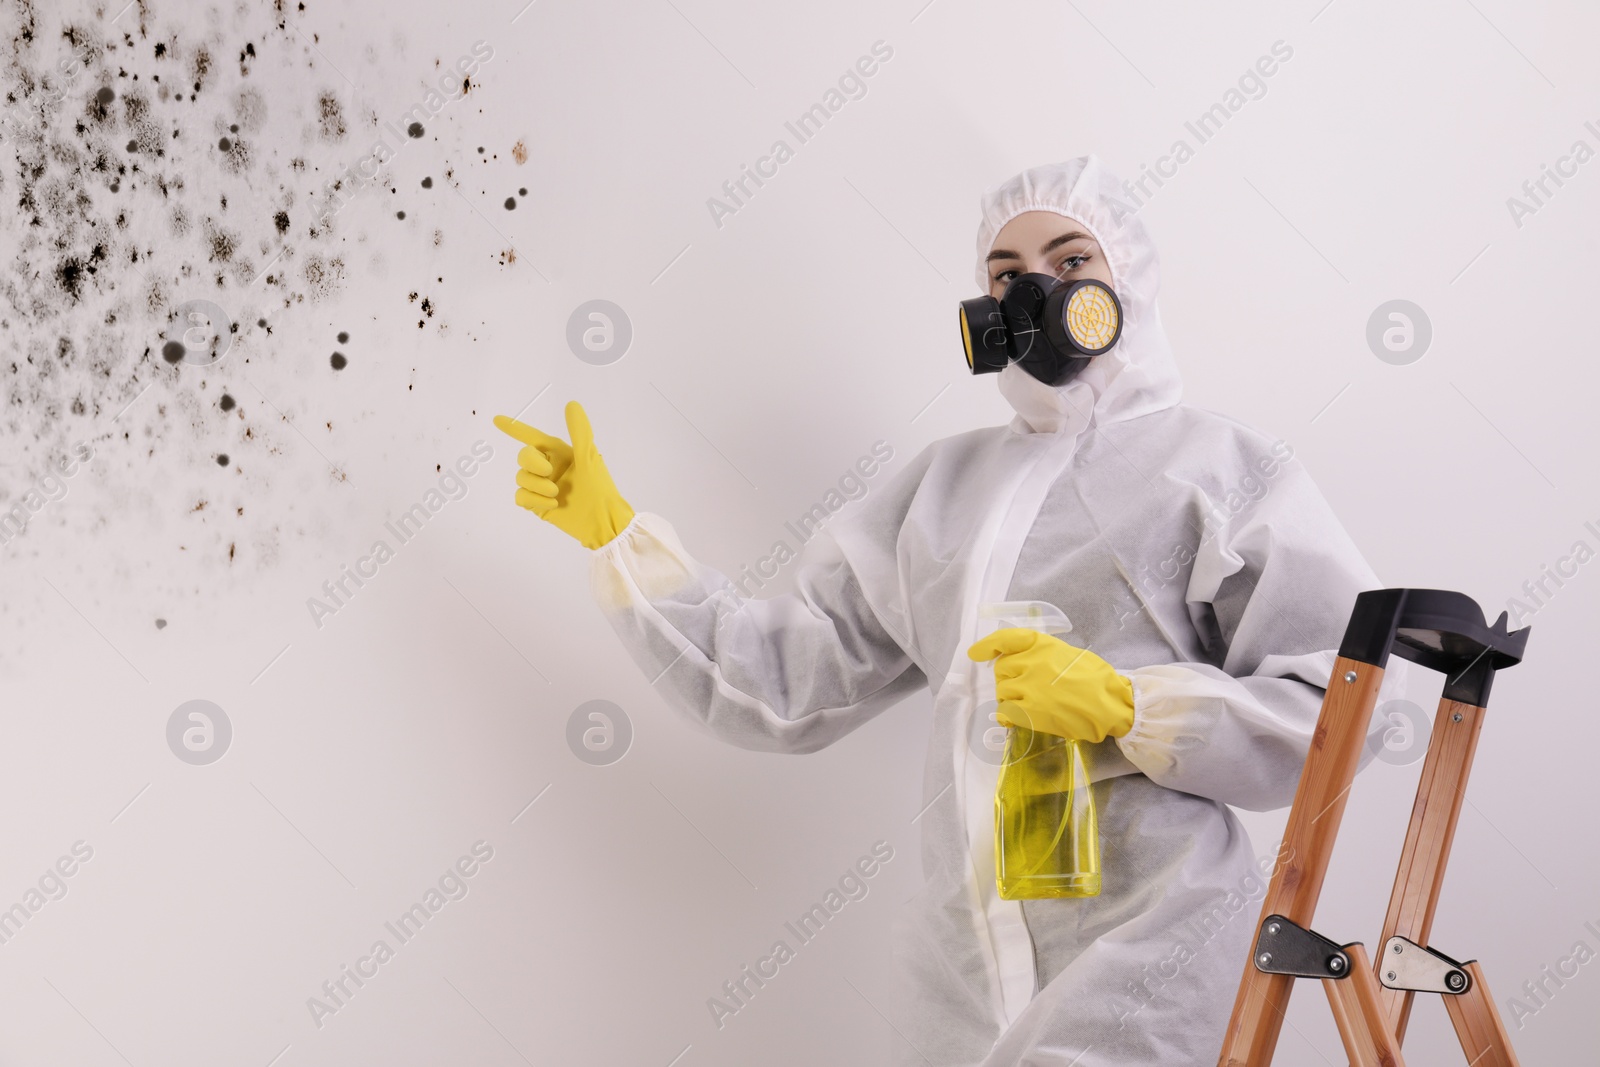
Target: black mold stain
415, 130
344, 337
236, 154
161, 624
221, 244
330, 117
337, 361
511, 203
200, 67
323, 277
427, 183
141, 172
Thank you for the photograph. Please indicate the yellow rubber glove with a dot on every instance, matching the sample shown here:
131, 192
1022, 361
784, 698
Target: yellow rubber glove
1047, 685
566, 485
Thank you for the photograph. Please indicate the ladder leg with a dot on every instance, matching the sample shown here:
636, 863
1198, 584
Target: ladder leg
1363, 1026
1479, 1028
1313, 827
1434, 814
1257, 1018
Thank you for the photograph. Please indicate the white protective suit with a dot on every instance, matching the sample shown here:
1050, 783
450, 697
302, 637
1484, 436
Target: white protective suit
1191, 552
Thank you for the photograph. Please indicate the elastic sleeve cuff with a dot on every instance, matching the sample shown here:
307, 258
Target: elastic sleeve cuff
1155, 739
626, 531
1141, 738
1141, 719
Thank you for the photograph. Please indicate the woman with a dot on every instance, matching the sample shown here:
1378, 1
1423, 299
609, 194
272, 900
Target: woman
1198, 565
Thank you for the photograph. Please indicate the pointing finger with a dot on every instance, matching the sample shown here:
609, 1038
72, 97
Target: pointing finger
528, 435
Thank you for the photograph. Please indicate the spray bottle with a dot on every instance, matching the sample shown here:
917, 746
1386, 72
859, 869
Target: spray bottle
1047, 838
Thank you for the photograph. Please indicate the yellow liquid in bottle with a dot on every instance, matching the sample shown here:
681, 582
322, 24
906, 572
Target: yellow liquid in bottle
1047, 839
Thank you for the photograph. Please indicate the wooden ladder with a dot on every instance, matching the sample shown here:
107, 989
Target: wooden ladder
1371, 999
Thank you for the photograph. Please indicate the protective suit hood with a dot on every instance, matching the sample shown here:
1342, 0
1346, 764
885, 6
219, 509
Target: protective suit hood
1137, 376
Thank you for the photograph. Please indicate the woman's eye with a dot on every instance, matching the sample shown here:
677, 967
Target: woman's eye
1004, 276
1074, 262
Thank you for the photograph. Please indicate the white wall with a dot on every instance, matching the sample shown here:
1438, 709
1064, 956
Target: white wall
371, 751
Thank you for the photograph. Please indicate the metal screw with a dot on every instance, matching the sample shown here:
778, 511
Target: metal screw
1335, 964
1272, 928
1264, 959
1397, 948
1456, 717
1349, 676
1455, 980
1391, 976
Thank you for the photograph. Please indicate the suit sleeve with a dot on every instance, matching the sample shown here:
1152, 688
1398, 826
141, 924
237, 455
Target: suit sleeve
1269, 594
790, 673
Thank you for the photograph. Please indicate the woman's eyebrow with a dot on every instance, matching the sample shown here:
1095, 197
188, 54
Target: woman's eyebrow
1002, 253
1063, 239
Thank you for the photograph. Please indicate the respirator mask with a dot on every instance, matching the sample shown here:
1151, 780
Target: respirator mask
1052, 328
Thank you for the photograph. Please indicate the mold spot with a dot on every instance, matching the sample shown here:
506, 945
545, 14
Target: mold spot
337, 361
330, 115
222, 243
323, 277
